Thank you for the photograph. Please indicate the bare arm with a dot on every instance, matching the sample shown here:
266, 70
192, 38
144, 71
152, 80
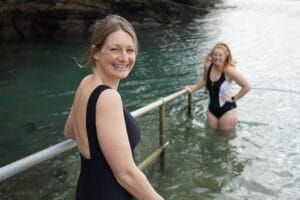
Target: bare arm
200, 84
238, 77
68, 130
114, 143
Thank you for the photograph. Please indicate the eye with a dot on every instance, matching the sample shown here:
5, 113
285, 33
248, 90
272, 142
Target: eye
130, 51
114, 49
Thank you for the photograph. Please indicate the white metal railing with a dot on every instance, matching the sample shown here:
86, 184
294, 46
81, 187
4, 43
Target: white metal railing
52, 151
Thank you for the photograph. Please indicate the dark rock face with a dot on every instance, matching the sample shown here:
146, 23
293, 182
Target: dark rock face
21, 19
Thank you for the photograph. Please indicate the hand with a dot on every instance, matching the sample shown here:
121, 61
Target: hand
188, 89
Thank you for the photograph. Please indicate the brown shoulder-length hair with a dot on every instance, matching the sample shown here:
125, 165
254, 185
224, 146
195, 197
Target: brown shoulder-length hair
229, 62
102, 29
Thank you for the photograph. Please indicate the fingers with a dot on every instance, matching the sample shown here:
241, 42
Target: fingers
188, 89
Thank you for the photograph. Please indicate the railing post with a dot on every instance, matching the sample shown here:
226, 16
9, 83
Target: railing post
162, 133
189, 104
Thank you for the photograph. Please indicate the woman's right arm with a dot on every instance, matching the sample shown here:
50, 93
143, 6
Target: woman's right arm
114, 143
200, 84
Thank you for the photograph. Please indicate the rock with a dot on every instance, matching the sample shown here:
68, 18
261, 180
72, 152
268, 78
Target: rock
20, 19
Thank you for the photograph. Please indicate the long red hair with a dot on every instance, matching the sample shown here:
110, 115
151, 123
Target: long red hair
229, 62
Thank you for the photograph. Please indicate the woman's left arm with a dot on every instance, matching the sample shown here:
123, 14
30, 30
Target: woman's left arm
239, 78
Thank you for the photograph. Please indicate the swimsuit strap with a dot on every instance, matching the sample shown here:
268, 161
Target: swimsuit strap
220, 80
94, 146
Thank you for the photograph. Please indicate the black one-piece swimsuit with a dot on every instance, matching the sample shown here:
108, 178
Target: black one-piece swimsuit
96, 180
214, 90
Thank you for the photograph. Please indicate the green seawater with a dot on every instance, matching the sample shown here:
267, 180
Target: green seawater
259, 160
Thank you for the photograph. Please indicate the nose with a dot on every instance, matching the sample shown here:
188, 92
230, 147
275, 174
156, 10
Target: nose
123, 57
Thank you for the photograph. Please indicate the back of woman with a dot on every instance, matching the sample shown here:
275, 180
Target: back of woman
105, 132
96, 180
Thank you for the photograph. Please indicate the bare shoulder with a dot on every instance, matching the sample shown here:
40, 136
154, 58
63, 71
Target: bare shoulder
110, 97
85, 80
235, 75
81, 89
207, 64
231, 72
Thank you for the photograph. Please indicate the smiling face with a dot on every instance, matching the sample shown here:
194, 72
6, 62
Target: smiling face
117, 56
219, 56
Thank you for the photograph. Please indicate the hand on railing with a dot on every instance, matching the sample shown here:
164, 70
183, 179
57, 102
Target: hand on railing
188, 89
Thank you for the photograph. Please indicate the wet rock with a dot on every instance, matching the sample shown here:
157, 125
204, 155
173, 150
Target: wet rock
21, 19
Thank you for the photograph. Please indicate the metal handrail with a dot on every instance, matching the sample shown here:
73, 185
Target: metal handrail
35, 159
52, 151
156, 104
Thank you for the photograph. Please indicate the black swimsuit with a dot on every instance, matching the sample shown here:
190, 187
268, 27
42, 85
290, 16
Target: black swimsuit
214, 95
96, 180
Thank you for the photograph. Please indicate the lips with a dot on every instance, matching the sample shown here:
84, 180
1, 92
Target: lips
121, 67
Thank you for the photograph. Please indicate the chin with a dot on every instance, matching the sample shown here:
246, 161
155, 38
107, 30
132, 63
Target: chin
218, 65
122, 76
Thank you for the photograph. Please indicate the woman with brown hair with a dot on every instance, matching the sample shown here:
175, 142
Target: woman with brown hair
105, 132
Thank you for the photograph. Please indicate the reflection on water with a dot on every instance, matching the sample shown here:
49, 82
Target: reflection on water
259, 160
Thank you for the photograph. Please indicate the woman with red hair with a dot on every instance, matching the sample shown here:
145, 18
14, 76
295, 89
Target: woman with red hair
219, 73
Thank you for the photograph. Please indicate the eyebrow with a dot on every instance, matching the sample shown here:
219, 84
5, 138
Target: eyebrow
120, 45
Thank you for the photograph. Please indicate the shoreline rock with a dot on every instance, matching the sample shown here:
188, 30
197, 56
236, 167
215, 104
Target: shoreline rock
24, 19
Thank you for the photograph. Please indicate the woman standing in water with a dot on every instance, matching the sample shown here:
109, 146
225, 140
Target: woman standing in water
219, 73
106, 134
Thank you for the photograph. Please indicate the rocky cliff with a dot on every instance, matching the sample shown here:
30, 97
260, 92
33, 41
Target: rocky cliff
72, 18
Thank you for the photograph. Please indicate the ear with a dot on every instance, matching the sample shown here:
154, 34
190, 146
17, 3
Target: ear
96, 55
95, 52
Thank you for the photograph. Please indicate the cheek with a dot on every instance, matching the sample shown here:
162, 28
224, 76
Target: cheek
224, 58
217, 58
132, 59
99, 56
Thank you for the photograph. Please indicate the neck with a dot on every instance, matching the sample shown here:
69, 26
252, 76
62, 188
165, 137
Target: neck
218, 68
103, 79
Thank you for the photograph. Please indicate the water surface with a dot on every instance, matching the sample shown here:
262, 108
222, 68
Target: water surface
260, 160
